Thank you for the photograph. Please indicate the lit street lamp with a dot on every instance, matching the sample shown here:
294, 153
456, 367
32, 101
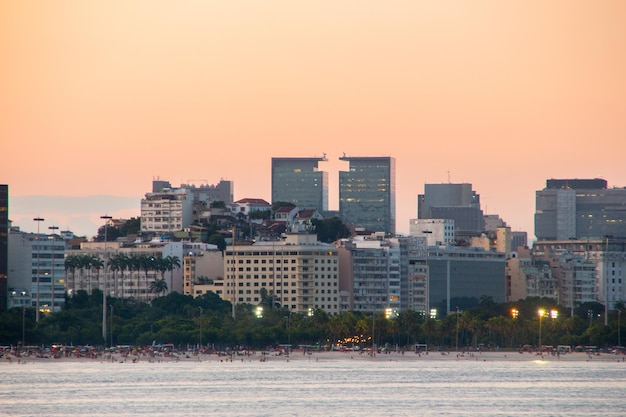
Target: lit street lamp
541, 313
53, 228
104, 281
38, 220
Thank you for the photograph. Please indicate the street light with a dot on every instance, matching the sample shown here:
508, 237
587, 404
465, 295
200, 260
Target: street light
104, 281
234, 291
457, 329
38, 220
200, 308
541, 313
53, 228
427, 304
111, 325
619, 328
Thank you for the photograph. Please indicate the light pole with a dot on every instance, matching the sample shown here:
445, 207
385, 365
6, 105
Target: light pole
541, 313
200, 347
619, 328
427, 304
111, 324
373, 327
234, 303
606, 281
457, 329
104, 281
53, 228
38, 220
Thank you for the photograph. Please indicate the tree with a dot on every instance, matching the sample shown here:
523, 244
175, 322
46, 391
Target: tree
330, 230
172, 262
158, 286
218, 240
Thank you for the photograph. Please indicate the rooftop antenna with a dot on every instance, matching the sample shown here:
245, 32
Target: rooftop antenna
449, 182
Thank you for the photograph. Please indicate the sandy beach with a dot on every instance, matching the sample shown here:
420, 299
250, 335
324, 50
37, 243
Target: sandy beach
325, 356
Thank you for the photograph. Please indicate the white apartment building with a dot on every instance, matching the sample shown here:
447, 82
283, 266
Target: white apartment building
166, 211
36, 271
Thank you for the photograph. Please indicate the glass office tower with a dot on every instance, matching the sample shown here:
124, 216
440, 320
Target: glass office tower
298, 181
367, 193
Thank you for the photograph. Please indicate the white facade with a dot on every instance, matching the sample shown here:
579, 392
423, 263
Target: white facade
167, 211
438, 232
35, 263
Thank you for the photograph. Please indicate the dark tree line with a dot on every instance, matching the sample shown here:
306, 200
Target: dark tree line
184, 320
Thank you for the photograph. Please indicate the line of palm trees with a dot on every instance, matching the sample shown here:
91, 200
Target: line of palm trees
120, 264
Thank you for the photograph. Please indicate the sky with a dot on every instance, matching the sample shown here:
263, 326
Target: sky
98, 98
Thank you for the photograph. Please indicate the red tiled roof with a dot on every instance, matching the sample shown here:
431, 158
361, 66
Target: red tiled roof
252, 201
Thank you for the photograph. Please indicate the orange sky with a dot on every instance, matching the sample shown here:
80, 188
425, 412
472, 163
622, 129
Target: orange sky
97, 98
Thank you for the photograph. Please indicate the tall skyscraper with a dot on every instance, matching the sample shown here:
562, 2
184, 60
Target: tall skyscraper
298, 181
579, 208
367, 193
456, 202
4, 244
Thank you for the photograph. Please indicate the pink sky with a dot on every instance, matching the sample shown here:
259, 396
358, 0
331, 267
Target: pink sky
97, 98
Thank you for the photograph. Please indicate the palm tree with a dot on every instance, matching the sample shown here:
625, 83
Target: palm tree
97, 264
135, 265
172, 262
70, 265
158, 286
123, 263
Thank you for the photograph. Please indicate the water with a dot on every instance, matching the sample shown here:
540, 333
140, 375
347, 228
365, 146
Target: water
314, 387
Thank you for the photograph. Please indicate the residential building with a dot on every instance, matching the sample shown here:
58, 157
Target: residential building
245, 206
166, 211
384, 274
580, 209
526, 277
300, 182
367, 193
4, 245
298, 273
608, 257
201, 268
36, 270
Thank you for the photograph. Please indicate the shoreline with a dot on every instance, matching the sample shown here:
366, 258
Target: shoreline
258, 356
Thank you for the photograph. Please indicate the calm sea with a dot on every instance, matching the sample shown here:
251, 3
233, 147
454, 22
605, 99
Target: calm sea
310, 387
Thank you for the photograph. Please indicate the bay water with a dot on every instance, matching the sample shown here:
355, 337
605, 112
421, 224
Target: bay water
313, 386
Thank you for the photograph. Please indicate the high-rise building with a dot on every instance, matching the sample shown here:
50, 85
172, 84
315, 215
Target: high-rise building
37, 265
587, 269
460, 277
166, 211
299, 181
457, 202
367, 193
4, 244
298, 273
580, 209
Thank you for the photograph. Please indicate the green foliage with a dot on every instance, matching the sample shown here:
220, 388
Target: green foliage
180, 319
218, 240
330, 230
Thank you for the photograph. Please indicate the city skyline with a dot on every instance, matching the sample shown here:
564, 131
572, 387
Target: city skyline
99, 99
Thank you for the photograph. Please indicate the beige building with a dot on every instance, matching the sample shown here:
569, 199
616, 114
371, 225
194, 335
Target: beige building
200, 270
299, 272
